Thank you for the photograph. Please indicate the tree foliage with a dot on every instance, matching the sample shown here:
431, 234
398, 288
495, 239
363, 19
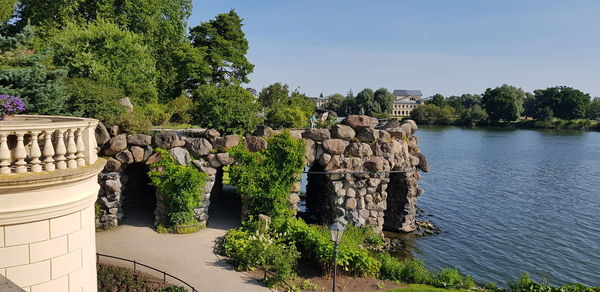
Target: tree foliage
103, 52
473, 115
226, 47
594, 109
335, 102
564, 102
29, 75
228, 108
433, 114
385, 99
365, 101
503, 103
92, 99
437, 99
274, 93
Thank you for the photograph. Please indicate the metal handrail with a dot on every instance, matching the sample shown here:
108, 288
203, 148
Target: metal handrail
136, 263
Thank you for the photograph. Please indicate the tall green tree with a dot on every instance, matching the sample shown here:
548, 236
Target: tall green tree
274, 93
594, 109
565, 102
385, 99
103, 52
437, 99
231, 109
226, 47
365, 102
464, 101
335, 102
7, 8
503, 103
31, 76
433, 114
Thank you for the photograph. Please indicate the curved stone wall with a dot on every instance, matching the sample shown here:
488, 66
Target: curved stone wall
47, 234
354, 158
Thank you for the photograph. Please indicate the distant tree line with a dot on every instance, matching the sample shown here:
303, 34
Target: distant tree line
376, 103
508, 104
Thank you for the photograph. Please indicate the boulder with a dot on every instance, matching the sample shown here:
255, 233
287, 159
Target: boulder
139, 140
393, 123
255, 144
366, 135
138, 153
126, 103
343, 132
155, 157
112, 165
359, 122
316, 134
125, 157
168, 140
147, 152
375, 163
213, 161
397, 132
226, 142
409, 125
335, 146
181, 155
310, 147
224, 158
350, 204
101, 133
383, 135
297, 134
423, 165
199, 146
212, 135
211, 171
293, 198
334, 163
114, 130
116, 144
359, 150
264, 131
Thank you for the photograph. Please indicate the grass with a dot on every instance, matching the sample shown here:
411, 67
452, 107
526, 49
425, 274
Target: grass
423, 288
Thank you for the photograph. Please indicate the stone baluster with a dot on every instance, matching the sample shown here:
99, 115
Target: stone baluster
20, 154
60, 150
4, 154
71, 149
80, 148
48, 151
35, 152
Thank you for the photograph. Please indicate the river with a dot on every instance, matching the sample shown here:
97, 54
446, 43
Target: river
510, 201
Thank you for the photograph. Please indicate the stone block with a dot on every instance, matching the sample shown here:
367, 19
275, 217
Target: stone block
137, 152
60, 284
116, 144
14, 256
357, 122
139, 140
77, 239
168, 140
125, 157
26, 233
255, 144
181, 155
366, 135
226, 142
29, 275
342, 132
316, 134
48, 249
65, 264
335, 146
65, 224
199, 146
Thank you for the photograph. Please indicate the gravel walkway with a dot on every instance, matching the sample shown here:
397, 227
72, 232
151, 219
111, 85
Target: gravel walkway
190, 257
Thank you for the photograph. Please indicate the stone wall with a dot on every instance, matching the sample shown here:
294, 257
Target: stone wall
354, 158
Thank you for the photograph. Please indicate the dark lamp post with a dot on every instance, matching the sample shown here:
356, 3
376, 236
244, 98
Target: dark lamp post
336, 231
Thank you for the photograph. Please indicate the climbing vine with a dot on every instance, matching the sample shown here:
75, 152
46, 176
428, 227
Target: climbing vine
181, 187
264, 179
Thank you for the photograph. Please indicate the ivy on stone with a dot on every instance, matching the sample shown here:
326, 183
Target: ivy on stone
181, 187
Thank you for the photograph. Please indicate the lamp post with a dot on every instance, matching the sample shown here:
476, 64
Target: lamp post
336, 230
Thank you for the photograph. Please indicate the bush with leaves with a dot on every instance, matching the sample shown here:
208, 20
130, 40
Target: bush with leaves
93, 99
181, 187
264, 179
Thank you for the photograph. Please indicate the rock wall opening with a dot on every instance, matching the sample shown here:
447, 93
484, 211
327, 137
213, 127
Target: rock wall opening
316, 198
139, 195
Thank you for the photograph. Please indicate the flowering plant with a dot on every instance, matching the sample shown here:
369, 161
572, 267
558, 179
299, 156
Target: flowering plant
10, 106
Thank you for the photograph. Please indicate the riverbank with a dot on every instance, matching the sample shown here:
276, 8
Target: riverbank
555, 124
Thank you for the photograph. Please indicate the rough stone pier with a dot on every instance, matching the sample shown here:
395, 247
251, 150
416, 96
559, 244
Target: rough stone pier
360, 172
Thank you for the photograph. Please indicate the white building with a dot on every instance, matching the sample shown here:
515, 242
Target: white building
406, 101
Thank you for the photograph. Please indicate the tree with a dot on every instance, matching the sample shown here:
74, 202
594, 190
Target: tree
365, 101
274, 93
226, 48
437, 99
503, 103
335, 102
464, 101
529, 105
281, 116
433, 114
6, 9
228, 108
565, 102
594, 109
31, 76
473, 115
385, 99
101, 51
92, 99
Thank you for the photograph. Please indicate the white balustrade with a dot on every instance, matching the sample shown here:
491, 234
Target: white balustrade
46, 143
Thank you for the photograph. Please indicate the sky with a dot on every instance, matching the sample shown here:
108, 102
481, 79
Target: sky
445, 46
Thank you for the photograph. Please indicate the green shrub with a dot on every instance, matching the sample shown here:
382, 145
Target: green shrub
131, 122
264, 179
173, 289
181, 187
93, 99
451, 278
114, 278
157, 114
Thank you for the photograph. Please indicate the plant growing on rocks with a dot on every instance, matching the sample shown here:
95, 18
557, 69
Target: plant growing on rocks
181, 187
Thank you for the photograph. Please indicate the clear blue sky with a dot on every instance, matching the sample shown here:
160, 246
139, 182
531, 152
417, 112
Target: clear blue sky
448, 47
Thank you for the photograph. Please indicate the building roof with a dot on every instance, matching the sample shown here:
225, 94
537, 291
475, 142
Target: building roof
405, 92
408, 102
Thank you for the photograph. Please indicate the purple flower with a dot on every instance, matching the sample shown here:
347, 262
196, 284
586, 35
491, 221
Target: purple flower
10, 106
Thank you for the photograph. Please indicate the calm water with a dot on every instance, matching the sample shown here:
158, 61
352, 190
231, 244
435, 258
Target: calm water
510, 201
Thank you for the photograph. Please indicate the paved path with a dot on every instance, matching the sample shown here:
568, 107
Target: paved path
190, 257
